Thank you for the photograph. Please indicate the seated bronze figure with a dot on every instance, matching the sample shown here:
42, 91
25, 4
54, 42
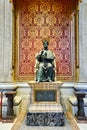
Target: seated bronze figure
45, 67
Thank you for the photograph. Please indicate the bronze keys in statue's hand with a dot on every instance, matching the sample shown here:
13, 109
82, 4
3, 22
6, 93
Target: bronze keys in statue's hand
42, 52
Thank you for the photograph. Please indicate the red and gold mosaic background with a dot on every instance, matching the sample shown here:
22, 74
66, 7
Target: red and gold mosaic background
38, 19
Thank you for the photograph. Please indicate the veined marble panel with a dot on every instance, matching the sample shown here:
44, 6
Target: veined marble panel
45, 119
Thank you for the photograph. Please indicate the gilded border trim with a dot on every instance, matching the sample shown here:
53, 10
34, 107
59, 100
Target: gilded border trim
77, 40
13, 37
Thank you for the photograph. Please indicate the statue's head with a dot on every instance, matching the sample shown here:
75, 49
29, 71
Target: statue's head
45, 42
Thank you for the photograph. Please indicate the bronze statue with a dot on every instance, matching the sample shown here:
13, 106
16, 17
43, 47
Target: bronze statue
45, 68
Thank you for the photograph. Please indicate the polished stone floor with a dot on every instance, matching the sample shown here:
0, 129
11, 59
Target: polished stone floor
8, 126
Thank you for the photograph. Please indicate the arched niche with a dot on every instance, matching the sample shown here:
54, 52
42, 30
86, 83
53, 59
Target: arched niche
59, 22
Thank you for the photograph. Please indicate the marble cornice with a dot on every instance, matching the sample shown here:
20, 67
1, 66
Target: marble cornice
8, 86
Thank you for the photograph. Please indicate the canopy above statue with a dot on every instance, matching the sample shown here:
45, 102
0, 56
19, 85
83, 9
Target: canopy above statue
14, 0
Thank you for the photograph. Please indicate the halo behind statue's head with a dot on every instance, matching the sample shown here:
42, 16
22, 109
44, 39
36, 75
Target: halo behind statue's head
45, 40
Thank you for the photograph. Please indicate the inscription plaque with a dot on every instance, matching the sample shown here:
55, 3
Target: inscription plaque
45, 95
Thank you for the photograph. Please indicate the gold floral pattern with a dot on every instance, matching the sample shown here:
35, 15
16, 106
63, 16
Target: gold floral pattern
51, 20
40, 19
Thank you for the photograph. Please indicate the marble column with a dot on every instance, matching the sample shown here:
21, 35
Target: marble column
83, 41
5, 41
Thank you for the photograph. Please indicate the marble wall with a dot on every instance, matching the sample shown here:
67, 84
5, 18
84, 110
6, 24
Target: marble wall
83, 41
5, 41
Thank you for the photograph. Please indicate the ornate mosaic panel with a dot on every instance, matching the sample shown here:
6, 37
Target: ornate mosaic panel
38, 19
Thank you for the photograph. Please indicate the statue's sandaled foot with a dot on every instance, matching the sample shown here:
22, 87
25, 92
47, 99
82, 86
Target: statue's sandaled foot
38, 81
50, 80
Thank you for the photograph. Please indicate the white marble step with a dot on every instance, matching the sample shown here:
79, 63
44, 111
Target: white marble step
45, 108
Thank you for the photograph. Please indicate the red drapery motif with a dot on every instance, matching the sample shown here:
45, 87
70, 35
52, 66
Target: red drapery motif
40, 19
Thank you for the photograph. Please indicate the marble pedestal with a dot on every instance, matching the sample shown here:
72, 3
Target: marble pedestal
45, 108
80, 116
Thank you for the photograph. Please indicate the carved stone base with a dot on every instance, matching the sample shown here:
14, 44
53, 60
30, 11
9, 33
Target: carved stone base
45, 115
81, 119
45, 108
45, 92
8, 119
45, 119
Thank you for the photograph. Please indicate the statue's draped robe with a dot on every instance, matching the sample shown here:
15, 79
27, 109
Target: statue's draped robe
45, 66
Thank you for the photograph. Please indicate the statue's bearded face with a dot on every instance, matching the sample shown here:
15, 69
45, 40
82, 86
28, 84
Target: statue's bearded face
45, 44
